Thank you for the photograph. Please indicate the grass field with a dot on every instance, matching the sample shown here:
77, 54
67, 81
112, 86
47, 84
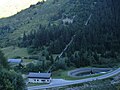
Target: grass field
11, 52
36, 84
62, 74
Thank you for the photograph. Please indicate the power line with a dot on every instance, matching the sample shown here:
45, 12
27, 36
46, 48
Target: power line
58, 57
67, 46
86, 23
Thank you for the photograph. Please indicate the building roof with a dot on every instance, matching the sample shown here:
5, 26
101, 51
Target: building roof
39, 75
14, 60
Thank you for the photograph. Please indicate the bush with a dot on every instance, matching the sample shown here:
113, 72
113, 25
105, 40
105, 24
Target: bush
34, 57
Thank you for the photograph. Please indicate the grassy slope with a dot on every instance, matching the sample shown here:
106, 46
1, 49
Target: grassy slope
31, 18
11, 52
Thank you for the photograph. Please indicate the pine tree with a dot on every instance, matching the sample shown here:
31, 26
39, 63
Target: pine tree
3, 61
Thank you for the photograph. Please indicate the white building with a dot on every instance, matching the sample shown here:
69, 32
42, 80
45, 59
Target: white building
67, 20
39, 77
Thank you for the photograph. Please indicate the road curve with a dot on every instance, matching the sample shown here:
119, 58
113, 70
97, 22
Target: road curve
110, 74
74, 73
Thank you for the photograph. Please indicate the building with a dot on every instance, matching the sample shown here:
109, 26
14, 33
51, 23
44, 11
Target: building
39, 77
67, 20
15, 61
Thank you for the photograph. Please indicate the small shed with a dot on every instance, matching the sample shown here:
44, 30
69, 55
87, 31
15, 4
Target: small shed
39, 77
15, 61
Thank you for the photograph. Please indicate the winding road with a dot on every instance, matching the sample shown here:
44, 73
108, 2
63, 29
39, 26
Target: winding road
62, 82
80, 71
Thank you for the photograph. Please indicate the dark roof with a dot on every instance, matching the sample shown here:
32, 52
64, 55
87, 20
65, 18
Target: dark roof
39, 75
14, 60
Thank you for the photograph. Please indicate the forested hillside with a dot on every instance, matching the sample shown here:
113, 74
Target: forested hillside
49, 26
97, 41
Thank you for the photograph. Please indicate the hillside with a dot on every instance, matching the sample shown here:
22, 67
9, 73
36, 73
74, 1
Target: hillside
13, 27
59, 35
49, 26
50, 12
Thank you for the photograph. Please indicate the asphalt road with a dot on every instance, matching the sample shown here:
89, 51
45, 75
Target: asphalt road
75, 81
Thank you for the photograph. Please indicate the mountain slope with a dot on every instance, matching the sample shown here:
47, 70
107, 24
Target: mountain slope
29, 19
49, 26
50, 12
